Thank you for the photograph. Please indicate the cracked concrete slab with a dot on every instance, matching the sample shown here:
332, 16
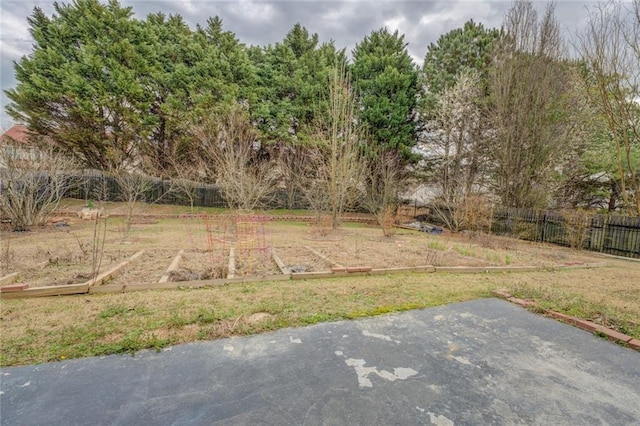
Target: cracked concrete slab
478, 362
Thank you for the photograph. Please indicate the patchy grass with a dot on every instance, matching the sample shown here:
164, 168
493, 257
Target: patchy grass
608, 296
141, 208
465, 251
437, 245
49, 329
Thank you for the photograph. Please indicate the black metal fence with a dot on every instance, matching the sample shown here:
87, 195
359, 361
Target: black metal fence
618, 235
96, 185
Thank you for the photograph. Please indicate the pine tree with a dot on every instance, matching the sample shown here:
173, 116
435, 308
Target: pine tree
82, 84
386, 84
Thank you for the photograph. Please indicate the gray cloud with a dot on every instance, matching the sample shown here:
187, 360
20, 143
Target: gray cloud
267, 22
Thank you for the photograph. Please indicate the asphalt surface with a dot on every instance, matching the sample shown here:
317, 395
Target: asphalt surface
473, 363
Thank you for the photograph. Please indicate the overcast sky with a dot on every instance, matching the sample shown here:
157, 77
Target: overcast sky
265, 22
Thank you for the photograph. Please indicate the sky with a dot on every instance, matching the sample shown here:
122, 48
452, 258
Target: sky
267, 22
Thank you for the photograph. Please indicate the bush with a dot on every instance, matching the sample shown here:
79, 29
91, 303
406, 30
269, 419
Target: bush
32, 183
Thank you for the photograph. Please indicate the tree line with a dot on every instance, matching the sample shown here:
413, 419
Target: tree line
506, 115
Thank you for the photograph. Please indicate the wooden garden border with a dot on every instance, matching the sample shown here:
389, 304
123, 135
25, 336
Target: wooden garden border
60, 290
85, 288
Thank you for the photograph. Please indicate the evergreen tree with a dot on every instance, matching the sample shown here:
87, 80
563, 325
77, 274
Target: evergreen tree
171, 85
293, 82
386, 83
83, 84
466, 48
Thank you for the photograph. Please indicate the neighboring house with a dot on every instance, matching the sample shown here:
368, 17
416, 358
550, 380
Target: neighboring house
17, 134
16, 144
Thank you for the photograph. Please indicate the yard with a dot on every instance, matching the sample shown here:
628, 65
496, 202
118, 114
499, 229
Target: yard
200, 247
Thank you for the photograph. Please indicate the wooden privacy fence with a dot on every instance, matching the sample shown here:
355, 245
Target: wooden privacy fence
618, 235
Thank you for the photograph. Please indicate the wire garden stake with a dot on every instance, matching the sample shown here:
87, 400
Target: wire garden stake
210, 239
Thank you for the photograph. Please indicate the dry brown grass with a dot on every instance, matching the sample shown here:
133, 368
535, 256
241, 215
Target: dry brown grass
609, 295
47, 329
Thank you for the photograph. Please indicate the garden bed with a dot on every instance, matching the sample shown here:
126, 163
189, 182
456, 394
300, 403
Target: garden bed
61, 255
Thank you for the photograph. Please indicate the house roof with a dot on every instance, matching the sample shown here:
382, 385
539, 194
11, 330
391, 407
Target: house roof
18, 133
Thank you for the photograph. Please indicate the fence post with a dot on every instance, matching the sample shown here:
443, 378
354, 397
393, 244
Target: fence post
605, 233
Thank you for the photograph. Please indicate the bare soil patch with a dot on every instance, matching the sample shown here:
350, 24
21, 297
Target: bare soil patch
147, 268
299, 259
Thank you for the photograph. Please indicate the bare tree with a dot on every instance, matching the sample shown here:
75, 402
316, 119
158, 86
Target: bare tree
610, 46
136, 188
132, 187
233, 158
336, 159
32, 183
186, 176
456, 139
180, 165
188, 187
381, 184
294, 167
530, 90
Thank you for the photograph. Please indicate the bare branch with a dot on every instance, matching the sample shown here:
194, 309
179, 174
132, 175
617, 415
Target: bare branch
609, 47
232, 157
336, 159
32, 183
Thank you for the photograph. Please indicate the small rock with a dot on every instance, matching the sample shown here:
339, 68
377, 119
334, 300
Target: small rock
183, 275
296, 269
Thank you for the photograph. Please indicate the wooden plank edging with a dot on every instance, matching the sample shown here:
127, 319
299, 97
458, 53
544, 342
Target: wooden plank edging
278, 261
57, 290
106, 275
9, 278
172, 267
68, 289
84, 288
489, 269
172, 285
325, 258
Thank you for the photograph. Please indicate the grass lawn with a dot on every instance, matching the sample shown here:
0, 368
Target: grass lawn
57, 328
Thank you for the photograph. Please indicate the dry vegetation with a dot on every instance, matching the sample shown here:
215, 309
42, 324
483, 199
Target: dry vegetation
47, 329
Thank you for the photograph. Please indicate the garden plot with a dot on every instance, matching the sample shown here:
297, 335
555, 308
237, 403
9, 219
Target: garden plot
394, 253
503, 251
65, 269
146, 269
297, 259
537, 254
363, 246
255, 263
58, 255
197, 264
